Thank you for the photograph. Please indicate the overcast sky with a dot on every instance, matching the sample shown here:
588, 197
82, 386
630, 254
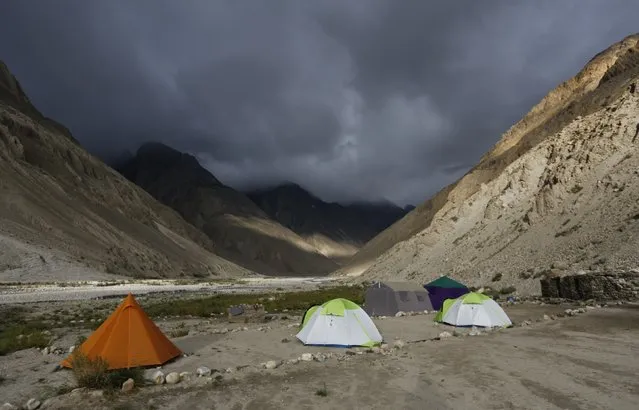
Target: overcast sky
353, 99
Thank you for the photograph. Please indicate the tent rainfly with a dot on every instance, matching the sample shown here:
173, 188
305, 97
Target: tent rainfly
339, 323
126, 339
444, 288
388, 298
473, 309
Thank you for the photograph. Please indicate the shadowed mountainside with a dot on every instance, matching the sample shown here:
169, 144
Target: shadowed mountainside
66, 215
240, 230
331, 227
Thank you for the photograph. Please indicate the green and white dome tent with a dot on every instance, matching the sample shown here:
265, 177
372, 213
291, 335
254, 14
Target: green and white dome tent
473, 309
338, 323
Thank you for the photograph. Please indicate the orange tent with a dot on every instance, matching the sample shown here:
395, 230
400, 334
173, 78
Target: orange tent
128, 338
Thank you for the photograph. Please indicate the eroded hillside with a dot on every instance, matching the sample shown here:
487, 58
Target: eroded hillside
66, 215
558, 189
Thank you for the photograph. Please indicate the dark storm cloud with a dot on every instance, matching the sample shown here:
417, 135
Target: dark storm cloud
352, 99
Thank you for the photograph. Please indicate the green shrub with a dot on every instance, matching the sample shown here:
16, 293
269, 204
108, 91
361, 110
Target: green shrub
95, 373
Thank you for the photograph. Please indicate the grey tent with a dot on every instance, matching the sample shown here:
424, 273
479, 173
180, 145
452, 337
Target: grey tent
388, 298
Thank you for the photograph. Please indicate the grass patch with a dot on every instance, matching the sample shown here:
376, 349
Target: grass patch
94, 373
323, 392
18, 332
204, 307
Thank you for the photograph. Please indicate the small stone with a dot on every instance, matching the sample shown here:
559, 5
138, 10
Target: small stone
306, 357
546, 317
384, 346
444, 335
158, 377
400, 314
96, 393
271, 364
425, 311
292, 361
203, 371
320, 357
186, 376
32, 404
229, 370
581, 310
128, 385
399, 344
172, 378
45, 351
350, 353
286, 340
375, 349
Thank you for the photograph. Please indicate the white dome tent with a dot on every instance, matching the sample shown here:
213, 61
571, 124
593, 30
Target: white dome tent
340, 323
473, 309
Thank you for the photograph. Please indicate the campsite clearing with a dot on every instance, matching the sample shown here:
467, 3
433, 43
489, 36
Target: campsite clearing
586, 361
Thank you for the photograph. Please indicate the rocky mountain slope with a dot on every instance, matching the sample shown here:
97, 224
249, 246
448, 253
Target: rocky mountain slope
66, 215
557, 193
337, 230
241, 231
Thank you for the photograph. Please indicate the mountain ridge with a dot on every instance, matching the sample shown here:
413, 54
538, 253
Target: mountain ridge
600, 97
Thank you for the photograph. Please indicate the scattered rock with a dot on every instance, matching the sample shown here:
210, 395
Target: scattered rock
186, 376
172, 378
384, 346
271, 364
203, 371
399, 344
320, 357
400, 314
444, 335
158, 377
426, 312
292, 361
474, 332
32, 404
45, 351
128, 385
306, 357
546, 317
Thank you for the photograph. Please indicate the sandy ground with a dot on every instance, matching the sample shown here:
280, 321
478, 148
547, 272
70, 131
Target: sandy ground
90, 290
585, 362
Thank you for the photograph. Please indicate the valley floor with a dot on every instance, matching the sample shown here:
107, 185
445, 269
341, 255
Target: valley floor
589, 361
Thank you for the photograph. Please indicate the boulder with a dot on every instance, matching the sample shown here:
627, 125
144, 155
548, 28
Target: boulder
271, 364
128, 385
173, 378
32, 404
158, 377
203, 371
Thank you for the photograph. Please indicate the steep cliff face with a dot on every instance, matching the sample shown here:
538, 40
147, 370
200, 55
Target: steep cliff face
240, 230
558, 189
66, 215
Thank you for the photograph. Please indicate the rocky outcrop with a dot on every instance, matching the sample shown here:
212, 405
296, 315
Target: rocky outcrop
595, 285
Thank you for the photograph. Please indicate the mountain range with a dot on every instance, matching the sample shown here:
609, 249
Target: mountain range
557, 193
